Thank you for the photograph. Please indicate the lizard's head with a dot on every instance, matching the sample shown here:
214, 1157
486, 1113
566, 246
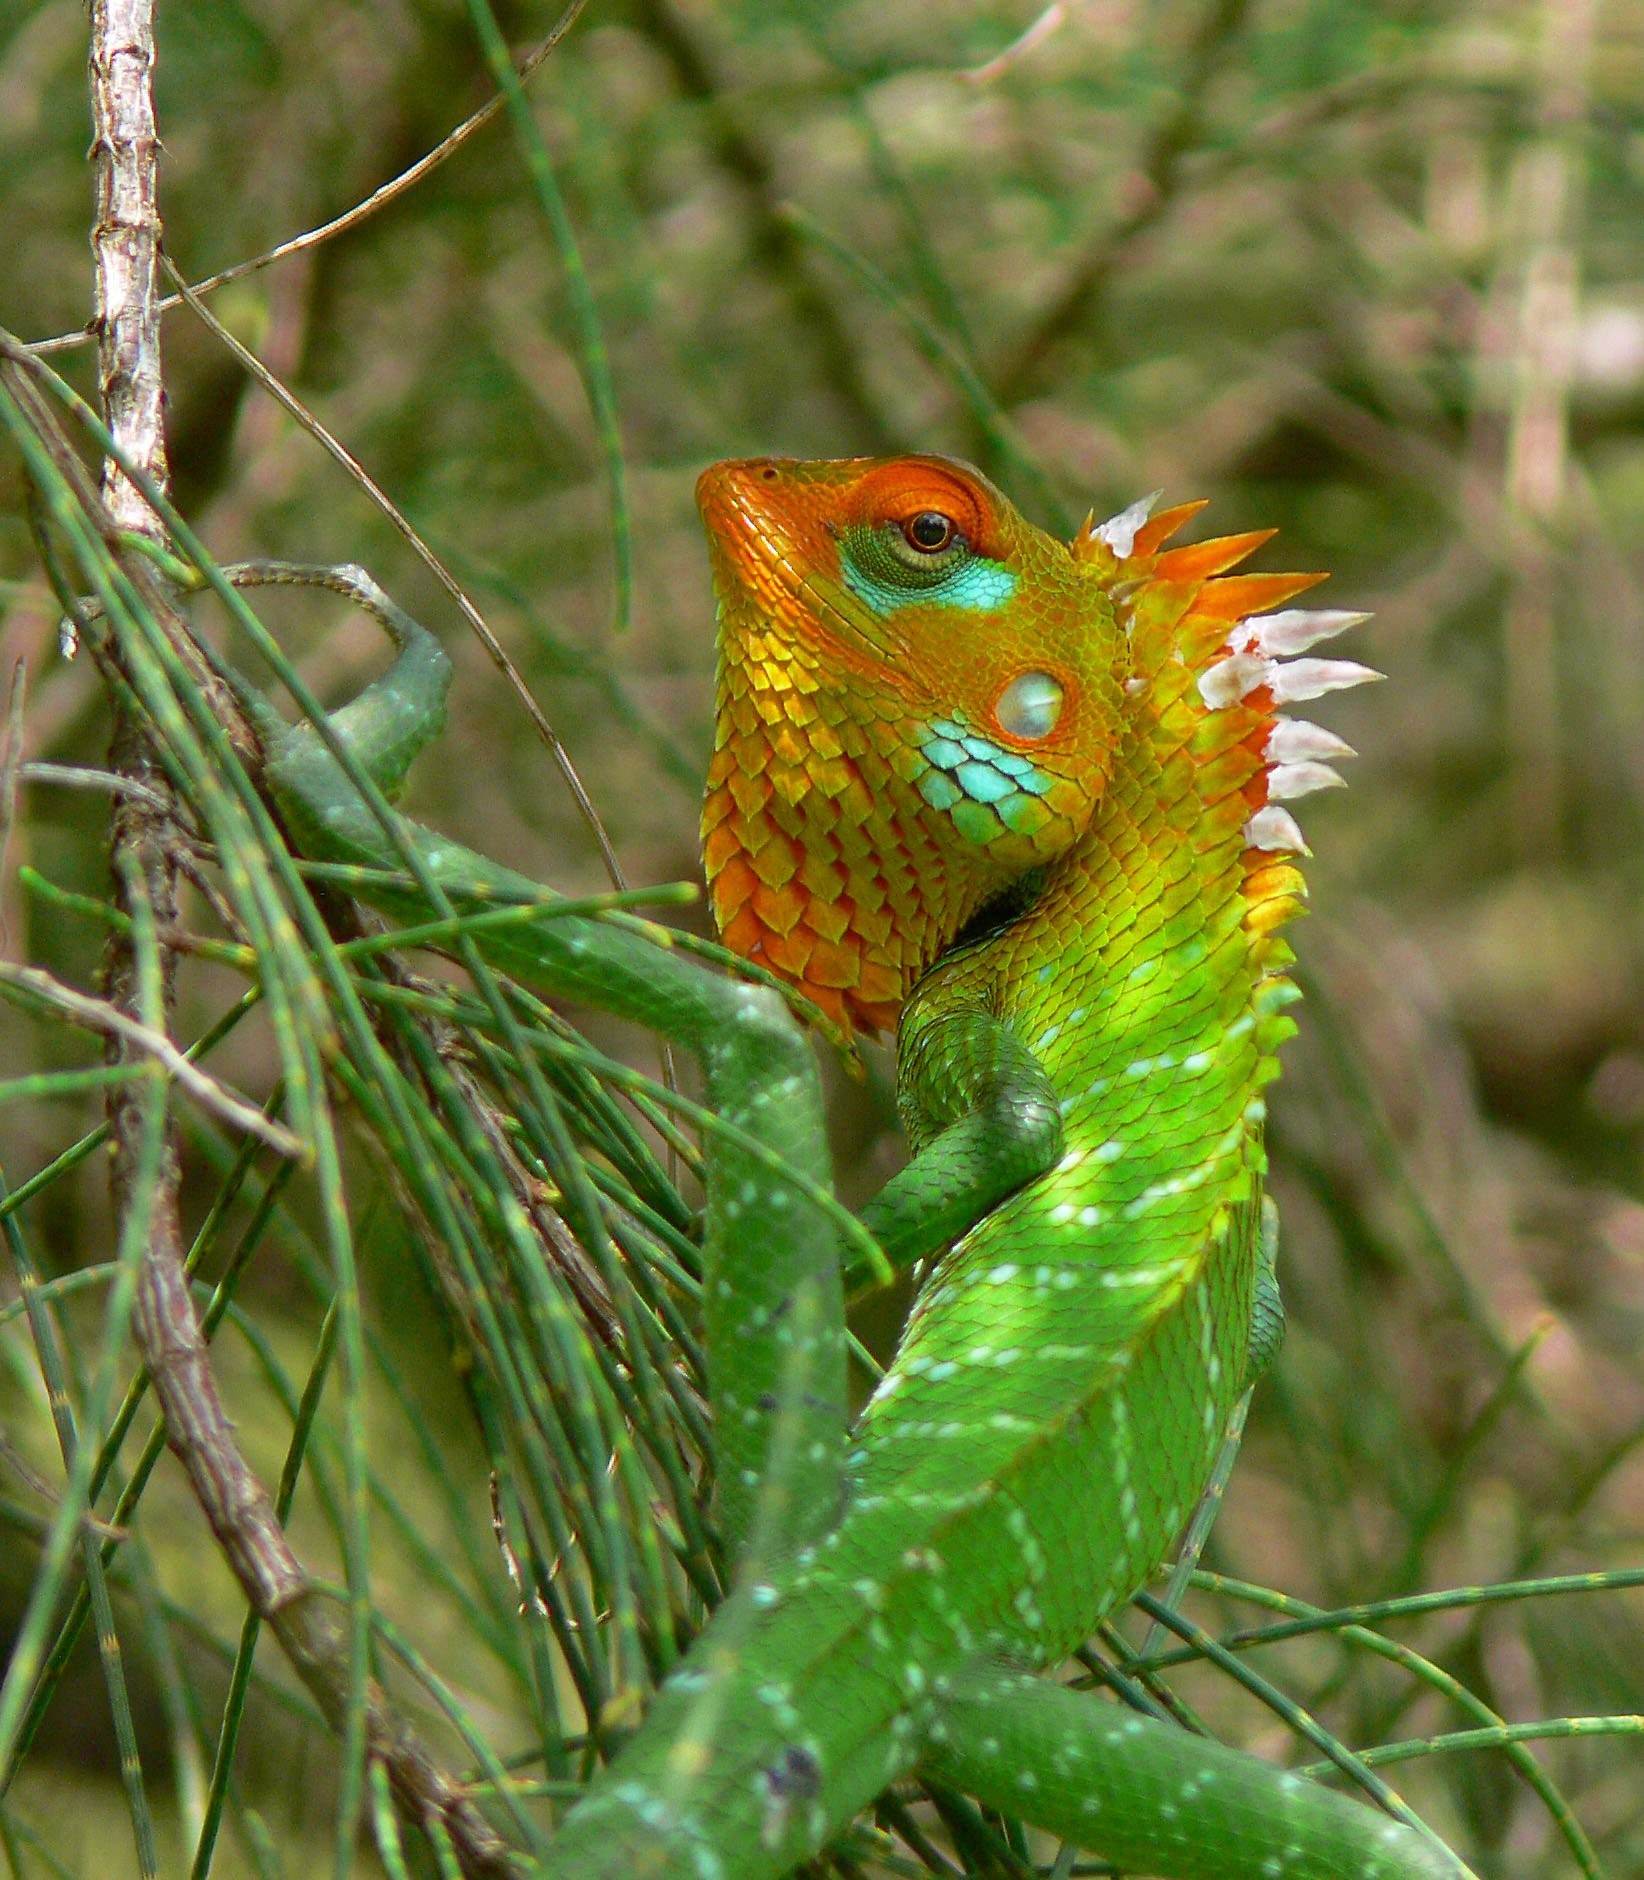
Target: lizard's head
918, 704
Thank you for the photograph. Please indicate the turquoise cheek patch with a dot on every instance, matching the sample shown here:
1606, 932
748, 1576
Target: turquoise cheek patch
982, 585
976, 585
970, 775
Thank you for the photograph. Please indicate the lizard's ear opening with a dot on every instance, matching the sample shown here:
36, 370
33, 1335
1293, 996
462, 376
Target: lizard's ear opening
1031, 705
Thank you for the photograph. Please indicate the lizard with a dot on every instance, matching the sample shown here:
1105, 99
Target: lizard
1024, 799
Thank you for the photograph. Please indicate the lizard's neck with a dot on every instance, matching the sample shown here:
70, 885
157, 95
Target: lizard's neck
823, 860
1149, 972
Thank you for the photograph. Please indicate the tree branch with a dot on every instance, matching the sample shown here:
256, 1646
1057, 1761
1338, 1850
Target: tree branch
146, 832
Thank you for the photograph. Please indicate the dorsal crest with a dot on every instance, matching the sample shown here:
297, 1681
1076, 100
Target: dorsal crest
1216, 657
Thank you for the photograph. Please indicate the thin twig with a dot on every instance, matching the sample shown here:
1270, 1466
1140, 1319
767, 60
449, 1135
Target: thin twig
100, 1016
362, 211
31, 1478
1032, 36
88, 777
11, 758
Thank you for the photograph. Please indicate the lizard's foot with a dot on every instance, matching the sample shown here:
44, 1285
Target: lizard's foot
390, 721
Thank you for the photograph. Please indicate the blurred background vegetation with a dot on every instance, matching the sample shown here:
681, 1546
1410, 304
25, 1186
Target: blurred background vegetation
1367, 272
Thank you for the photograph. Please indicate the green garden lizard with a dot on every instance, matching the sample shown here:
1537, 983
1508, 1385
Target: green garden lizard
1023, 799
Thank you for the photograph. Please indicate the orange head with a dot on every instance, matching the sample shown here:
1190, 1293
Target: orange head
919, 699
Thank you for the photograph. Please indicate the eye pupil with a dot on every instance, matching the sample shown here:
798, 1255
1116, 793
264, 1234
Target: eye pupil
930, 531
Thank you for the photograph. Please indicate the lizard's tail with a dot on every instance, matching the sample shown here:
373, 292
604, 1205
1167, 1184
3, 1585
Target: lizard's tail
749, 1766
1152, 1798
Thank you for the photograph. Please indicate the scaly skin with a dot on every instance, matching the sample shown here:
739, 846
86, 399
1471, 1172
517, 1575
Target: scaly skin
1065, 1381
1082, 1077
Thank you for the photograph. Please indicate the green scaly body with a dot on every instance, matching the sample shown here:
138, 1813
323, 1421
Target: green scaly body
1065, 1382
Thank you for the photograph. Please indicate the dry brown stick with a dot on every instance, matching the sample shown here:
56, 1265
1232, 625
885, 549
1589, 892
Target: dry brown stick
146, 838
310, 1630
101, 1016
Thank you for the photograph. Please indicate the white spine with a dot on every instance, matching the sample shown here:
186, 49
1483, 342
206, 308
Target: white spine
1231, 679
1285, 782
1297, 741
1299, 679
1119, 532
1282, 636
1275, 828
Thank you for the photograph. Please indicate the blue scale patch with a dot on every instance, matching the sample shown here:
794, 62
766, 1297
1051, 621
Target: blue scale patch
982, 783
945, 753
965, 768
978, 585
939, 790
981, 584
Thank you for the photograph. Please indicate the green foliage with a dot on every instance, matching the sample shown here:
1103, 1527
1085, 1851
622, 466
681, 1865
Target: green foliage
1366, 273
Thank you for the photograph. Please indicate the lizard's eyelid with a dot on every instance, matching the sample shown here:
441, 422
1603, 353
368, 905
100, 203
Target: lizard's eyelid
1030, 706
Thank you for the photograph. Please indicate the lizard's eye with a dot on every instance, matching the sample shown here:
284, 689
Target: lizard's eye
1030, 705
929, 532
928, 546
918, 552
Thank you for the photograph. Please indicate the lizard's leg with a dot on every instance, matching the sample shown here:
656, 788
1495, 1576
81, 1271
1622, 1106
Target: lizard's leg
983, 1117
1154, 1798
772, 1301
391, 720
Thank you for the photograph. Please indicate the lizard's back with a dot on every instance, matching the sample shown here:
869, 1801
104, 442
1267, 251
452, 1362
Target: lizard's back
1067, 1375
